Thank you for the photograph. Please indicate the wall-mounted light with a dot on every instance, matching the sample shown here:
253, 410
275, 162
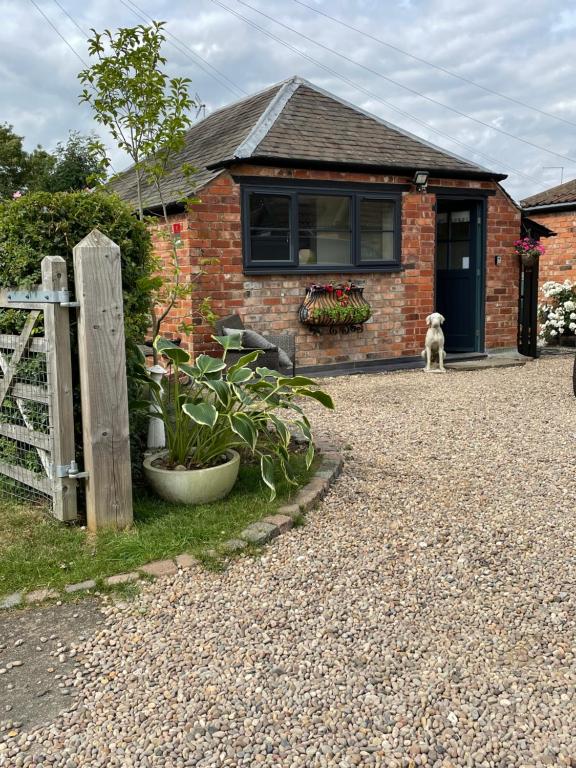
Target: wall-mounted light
420, 180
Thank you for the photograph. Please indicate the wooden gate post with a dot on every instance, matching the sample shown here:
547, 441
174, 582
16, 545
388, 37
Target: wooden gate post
106, 437
59, 373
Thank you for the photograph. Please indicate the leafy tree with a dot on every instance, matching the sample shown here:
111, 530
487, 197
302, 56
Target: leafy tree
147, 114
76, 165
20, 171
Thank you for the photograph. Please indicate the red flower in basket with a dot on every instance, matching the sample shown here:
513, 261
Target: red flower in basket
339, 292
329, 288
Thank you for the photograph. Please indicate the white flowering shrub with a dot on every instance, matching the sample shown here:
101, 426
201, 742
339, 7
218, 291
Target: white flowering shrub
557, 314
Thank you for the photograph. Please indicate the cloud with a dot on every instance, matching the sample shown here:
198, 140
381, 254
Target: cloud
522, 50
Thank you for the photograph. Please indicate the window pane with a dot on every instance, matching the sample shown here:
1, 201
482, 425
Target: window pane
324, 248
323, 212
270, 245
377, 246
460, 225
270, 211
442, 226
377, 215
442, 255
460, 255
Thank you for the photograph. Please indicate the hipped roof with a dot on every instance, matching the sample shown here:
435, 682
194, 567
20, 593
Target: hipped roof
295, 123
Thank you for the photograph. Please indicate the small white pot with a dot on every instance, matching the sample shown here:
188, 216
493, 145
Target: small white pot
192, 486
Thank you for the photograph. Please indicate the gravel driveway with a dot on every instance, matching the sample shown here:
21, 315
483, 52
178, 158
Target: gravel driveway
424, 615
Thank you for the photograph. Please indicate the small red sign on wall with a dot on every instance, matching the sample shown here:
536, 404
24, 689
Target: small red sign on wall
177, 227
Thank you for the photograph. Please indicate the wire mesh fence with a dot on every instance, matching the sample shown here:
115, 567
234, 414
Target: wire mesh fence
25, 431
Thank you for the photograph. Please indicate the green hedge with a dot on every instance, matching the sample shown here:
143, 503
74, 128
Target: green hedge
44, 223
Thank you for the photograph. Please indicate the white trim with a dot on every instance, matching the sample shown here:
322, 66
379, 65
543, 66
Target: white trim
267, 119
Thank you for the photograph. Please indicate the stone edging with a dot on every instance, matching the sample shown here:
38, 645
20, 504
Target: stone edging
257, 533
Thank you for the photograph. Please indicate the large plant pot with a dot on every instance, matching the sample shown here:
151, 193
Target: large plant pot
192, 486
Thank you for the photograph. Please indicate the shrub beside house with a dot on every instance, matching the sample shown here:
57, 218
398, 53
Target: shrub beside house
298, 187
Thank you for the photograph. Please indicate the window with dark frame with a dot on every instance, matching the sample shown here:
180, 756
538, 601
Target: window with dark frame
314, 230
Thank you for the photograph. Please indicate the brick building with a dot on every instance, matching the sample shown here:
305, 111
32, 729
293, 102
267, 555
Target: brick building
555, 208
297, 187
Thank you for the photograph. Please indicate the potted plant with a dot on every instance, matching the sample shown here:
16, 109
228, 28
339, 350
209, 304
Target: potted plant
210, 411
529, 250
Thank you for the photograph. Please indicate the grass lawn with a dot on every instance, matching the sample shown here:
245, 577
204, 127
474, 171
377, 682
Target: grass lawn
37, 551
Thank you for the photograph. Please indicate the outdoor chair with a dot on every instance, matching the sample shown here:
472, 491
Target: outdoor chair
270, 357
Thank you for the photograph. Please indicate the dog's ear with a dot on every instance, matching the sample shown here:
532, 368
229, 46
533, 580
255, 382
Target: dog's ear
428, 319
442, 318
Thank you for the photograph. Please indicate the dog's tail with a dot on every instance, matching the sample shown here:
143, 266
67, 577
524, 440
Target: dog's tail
423, 354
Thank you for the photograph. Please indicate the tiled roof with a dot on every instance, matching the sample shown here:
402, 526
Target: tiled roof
562, 193
217, 136
295, 121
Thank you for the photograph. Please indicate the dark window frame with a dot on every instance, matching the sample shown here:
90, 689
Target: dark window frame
356, 193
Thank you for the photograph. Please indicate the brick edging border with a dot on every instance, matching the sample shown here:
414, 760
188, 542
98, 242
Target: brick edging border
258, 533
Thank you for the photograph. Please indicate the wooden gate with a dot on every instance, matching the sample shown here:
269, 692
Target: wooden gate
528, 310
36, 409
37, 435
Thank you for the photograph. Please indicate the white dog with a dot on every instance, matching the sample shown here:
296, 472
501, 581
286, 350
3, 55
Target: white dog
434, 345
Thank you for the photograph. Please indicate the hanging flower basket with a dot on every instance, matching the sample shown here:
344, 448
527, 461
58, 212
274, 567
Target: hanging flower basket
337, 307
529, 250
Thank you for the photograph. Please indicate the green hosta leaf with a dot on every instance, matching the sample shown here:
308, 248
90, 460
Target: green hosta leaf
207, 364
240, 375
201, 413
268, 372
309, 455
242, 395
267, 471
230, 342
171, 351
221, 389
319, 395
243, 427
281, 429
190, 370
245, 360
297, 381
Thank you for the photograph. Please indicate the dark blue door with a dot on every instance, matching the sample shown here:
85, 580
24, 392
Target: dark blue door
458, 273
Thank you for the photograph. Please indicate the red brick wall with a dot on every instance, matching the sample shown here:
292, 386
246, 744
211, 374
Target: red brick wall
559, 261
503, 228
400, 300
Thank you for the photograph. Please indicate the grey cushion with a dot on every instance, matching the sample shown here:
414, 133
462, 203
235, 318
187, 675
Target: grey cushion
233, 332
284, 359
254, 340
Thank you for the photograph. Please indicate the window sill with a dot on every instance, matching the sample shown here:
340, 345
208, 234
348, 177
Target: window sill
343, 270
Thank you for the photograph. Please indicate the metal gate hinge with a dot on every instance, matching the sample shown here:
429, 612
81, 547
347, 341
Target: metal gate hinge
68, 470
40, 296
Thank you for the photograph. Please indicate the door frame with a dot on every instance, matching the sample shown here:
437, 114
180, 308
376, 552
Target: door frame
469, 196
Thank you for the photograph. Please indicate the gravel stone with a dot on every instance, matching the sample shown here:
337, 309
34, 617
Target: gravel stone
347, 642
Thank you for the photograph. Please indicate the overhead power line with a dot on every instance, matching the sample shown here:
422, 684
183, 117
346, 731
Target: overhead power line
60, 35
405, 87
369, 93
438, 67
189, 52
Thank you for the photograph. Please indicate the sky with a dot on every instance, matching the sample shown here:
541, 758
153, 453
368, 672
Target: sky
523, 50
